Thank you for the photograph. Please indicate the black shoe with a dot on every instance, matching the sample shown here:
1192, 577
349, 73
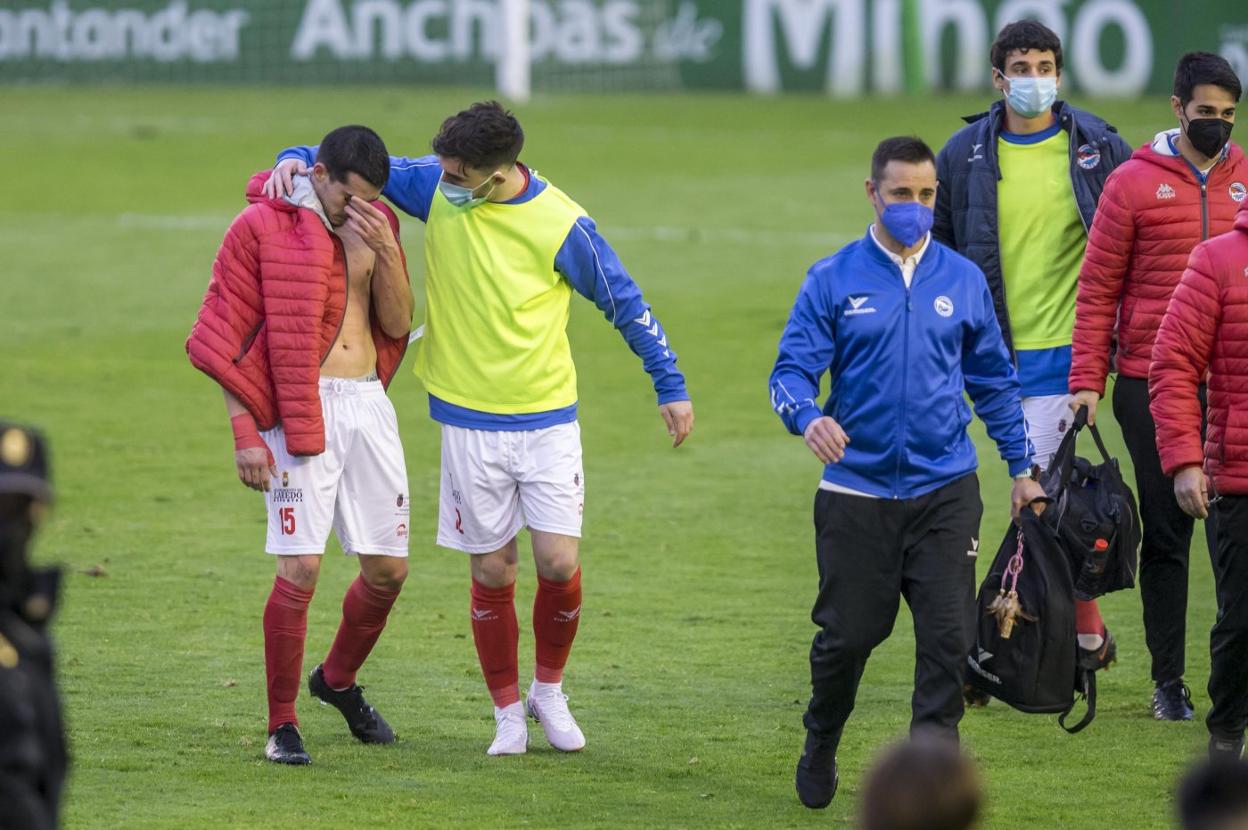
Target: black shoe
816, 772
1096, 659
1172, 701
1225, 749
285, 746
364, 721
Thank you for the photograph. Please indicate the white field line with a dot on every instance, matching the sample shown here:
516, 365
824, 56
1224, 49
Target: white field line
642, 233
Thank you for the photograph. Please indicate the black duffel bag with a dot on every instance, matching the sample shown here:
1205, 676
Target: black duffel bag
1093, 515
1025, 645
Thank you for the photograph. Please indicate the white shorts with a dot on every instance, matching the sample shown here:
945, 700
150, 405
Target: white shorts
1048, 418
358, 486
495, 482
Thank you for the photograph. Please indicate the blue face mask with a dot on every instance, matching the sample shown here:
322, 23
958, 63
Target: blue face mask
462, 197
907, 222
1030, 97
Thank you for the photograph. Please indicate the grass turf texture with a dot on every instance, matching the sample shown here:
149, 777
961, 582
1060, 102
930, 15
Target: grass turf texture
689, 675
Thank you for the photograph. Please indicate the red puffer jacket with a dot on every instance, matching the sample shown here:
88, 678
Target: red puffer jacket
272, 312
1151, 215
1206, 329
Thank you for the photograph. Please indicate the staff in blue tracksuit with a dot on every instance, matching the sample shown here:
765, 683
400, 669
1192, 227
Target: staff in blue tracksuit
904, 326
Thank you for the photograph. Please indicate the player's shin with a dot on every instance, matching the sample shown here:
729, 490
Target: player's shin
496, 634
365, 609
285, 628
556, 615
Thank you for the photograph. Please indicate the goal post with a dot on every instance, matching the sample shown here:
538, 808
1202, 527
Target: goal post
513, 72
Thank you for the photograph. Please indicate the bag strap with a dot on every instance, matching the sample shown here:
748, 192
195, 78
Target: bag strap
1089, 692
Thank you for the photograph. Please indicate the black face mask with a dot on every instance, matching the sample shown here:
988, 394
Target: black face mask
1209, 135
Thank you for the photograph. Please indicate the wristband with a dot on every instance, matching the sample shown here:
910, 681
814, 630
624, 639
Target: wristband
246, 436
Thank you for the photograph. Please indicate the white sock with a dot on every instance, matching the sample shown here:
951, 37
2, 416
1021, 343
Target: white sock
540, 688
1090, 642
510, 707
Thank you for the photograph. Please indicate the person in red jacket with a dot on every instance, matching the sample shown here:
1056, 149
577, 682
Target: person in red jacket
1181, 188
1204, 339
303, 325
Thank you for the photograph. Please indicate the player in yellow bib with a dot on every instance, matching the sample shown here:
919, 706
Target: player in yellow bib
504, 251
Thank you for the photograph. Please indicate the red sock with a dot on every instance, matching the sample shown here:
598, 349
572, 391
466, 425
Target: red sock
556, 614
364, 612
285, 626
496, 633
1088, 618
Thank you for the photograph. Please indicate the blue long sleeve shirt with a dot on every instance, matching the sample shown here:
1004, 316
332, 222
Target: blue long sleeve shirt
585, 260
899, 359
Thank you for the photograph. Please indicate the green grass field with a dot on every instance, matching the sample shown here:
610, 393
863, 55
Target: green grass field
689, 675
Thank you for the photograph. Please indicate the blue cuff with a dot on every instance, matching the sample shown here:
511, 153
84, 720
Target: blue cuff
803, 417
675, 395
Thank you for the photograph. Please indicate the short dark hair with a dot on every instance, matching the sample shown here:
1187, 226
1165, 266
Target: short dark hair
1214, 796
1196, 68
484, 135
1023, 36
923, 784
905, 148
355, 149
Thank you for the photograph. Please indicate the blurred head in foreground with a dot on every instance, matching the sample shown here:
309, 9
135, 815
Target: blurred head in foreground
1214, 796
24, 491
923, 784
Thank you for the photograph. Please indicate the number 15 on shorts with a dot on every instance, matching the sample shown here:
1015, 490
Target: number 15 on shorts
287, 517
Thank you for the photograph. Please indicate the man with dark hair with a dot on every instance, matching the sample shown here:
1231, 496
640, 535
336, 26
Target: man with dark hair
1214, 796
1018, 190
1179, 189
925, 783
303, 326
904, 326
32, 744
504, 251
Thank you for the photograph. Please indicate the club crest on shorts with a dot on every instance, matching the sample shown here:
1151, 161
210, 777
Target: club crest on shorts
1088, 157
285, 479
1238, 191
399, 501
576, 479
944, 306
401, 531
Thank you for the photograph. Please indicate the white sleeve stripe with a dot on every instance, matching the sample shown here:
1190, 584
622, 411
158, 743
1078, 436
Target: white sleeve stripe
410, 165
615, 315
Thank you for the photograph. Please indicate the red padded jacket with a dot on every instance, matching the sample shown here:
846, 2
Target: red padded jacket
1152, 213
1205, 329
273, 310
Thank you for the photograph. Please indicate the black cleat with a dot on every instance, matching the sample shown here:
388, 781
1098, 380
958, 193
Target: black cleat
285, 746
365, 722
1225, 749
1097, 659
817, 778
1172, 701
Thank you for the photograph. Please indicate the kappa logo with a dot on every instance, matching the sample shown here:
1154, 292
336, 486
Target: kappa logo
1165, 191
856, 306
1237, 191
569, 616
944, 306
483, 615
974, 551
1088, 157
976, 155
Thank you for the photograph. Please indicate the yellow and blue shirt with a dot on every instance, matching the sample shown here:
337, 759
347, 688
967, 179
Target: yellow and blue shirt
1042, 240
499, 282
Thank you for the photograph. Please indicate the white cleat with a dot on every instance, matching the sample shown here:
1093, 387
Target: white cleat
548, 705
511, 736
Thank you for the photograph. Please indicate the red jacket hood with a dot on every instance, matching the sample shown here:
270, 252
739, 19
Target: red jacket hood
256, 195
1178, 164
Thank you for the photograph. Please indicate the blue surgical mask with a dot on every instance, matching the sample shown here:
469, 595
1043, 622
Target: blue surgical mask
907, 222
462, 197
1030, 97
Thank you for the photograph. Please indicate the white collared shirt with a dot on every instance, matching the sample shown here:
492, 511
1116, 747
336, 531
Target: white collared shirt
910, 263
